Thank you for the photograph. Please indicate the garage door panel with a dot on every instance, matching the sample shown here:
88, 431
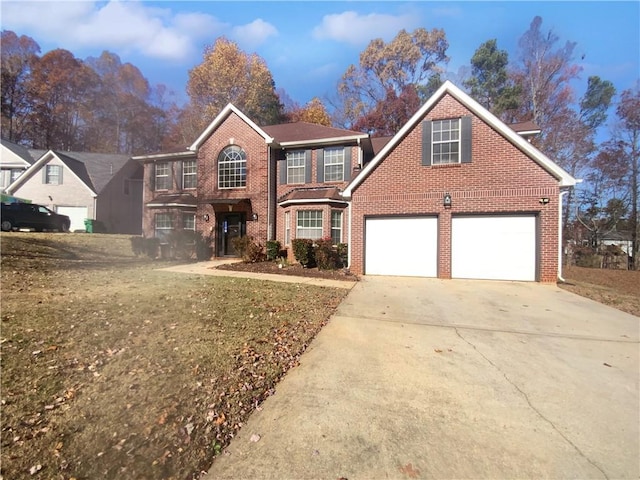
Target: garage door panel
494, 247
77, 216
402, 246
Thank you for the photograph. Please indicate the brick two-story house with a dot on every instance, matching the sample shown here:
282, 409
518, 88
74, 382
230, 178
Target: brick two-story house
455, 193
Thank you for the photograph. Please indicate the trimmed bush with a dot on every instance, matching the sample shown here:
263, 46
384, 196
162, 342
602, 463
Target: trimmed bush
327, 257
343, 253
249, 250
145, 246
273, 249
303, 251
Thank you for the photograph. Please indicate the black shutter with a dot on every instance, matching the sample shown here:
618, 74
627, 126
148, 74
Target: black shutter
426, 142
151, 167
320, 160
347, 163
282, 165
307, 166
178, 165
465, 140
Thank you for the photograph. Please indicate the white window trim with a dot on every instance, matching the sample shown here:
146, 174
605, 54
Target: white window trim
193, 217
287, 228
318, 229
186, 175
224, 159
446, 142
297, 156
333, 228
165, 176
48, 176
334, 163
164, 230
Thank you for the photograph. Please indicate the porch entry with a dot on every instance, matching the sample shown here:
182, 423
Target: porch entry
229, 226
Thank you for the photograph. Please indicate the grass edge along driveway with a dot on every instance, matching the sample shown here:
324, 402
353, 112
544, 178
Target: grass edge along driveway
114, 369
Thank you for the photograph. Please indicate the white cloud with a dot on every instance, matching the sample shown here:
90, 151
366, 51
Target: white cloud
116, 26
253, 34
356, 29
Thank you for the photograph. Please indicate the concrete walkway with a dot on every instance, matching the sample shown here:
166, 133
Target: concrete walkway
425, 378
209, 268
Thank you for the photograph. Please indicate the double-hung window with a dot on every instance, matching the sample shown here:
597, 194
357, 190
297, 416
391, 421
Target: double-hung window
336, 227
334, 164
53, 175
232, 168
189, 172
162, 176
163, 226
287, 228
309, 224
295, 167
188, 221
446, 141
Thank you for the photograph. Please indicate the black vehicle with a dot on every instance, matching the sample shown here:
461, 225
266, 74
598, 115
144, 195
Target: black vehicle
30, 215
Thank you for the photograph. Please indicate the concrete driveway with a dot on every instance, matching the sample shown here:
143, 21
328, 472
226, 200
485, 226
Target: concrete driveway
425, 378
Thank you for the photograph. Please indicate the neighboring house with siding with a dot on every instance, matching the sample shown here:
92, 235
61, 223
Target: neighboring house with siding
455, 193
102, 187
14, 161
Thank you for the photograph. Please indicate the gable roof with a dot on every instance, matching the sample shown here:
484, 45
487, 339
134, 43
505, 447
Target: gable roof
222, 116
24, 155
94, 170
564, 178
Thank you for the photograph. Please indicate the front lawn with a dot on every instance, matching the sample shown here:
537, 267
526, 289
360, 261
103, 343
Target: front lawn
114, 369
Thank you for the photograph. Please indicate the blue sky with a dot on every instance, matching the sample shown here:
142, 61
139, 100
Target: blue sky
309, 45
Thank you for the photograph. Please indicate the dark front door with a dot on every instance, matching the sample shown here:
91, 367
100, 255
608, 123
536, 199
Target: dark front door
230, 226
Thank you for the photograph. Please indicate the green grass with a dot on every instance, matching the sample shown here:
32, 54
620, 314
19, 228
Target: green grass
112, 368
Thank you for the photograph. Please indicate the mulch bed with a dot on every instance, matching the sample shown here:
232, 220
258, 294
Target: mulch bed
295, 270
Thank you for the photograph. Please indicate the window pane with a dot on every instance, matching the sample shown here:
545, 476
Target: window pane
189, 221
334, 164
287, 228
189, 172
52, 175
296, 167
163, 226
336, 227
445, 141
232, 168
162, 176
309, 224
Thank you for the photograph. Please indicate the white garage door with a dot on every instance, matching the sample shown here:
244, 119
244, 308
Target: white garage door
401, 246
77, 215
494, 247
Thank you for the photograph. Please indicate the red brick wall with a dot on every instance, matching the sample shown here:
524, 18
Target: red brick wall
283, 189
234, 131
500, 179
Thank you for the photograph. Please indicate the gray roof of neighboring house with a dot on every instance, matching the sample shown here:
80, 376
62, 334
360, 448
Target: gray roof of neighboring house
94, 169
27, 154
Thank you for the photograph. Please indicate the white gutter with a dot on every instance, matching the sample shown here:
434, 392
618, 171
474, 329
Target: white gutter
560, 236
349, 237
302, 201
319, 141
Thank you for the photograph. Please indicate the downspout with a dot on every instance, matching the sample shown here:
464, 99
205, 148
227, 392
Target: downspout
560, 235
270, 197
349, 237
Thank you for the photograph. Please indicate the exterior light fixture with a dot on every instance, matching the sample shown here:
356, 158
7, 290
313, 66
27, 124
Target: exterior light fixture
544, 200
205, 217
254, 217
447, 200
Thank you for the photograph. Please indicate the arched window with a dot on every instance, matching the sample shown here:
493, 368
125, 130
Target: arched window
232, 168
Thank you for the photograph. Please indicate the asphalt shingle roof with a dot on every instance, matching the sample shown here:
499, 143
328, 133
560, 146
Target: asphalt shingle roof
303, 131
